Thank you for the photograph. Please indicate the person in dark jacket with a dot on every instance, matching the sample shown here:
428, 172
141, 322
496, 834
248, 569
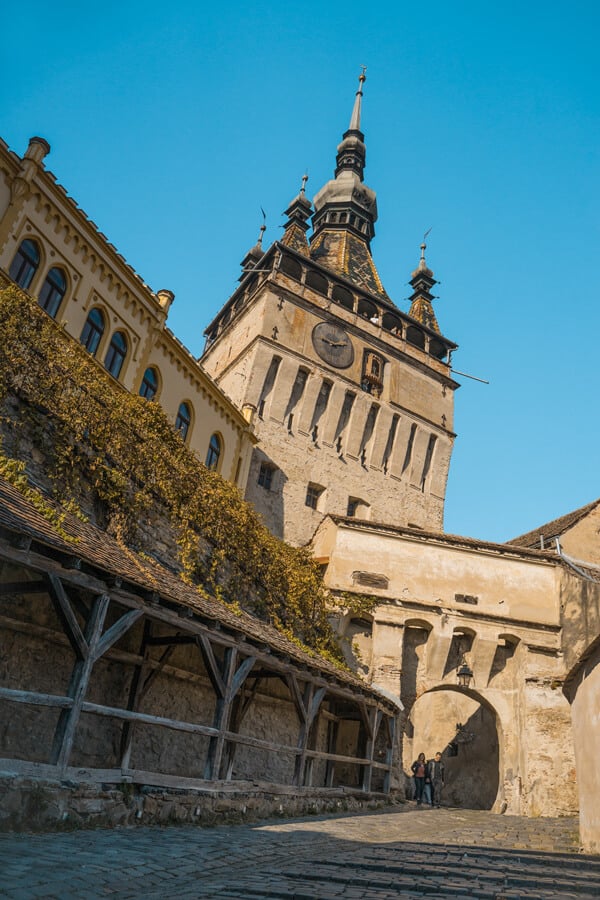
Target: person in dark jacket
419, 770
435, 772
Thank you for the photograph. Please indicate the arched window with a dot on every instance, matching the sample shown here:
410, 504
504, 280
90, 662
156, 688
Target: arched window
53, 290
149, 385
92, 330
183, 420
214, 452
24, 265
115, 356
317, 282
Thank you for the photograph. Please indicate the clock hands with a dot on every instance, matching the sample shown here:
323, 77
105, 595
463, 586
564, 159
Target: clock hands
333, 343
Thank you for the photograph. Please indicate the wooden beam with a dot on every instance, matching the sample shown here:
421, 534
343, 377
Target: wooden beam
37, 699
212, 667
86, 580
240, 708
241, 674
221, 717
78, 685
294, 689
135, 690
374, 721
234, 677
389, 755
313, 697
116, 632
65, 613
332, 734
156, 667
34, 698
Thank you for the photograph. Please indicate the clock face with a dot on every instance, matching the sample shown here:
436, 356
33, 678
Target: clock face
333, 345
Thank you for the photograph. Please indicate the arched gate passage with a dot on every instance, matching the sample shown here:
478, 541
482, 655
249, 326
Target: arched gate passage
464, 727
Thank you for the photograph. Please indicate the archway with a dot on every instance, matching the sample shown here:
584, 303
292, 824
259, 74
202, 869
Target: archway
464, 728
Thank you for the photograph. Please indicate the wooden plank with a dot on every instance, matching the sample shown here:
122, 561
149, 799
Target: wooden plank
147, 719
66, 615
78, 686
86, 775
34, 698
116, 632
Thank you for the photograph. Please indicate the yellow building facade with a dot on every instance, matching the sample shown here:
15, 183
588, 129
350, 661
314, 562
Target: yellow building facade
51, 249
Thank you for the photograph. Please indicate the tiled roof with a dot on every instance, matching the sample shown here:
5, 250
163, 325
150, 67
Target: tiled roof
99, 550
553, 529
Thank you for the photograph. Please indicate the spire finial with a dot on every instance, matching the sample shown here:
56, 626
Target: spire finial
355, 118
304, 180
422, 263
263, 227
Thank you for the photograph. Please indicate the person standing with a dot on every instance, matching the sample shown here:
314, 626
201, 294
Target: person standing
419, 770
435, 771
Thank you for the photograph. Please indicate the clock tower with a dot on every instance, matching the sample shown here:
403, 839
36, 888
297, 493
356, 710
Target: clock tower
351, 398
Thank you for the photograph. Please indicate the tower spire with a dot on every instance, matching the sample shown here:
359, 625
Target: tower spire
355, 117
346, 210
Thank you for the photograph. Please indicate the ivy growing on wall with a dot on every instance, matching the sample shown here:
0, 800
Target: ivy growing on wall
98, 437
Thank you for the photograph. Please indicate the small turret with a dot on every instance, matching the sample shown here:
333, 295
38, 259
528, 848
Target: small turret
422, 281
298, 213
254, 255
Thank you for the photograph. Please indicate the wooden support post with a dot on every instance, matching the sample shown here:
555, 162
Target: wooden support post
332, 735
87, 644
135, 691
240, 708
389, 755
65, 613
226, 684
373, 718
311, 703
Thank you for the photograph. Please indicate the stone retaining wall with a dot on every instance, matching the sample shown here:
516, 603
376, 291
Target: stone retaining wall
28, 804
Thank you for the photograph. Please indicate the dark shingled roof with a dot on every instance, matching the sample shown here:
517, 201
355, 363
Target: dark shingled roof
99, 550
553, 529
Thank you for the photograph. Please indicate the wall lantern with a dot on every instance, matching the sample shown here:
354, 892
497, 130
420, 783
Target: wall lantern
464, 674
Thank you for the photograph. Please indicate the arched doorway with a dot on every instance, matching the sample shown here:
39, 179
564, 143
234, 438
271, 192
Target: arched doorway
464, 728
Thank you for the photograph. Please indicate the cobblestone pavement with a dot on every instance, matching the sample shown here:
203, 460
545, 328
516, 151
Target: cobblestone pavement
441, 854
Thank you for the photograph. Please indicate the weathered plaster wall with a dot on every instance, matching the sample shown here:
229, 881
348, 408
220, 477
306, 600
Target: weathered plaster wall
585, 713
581, 621
442, 601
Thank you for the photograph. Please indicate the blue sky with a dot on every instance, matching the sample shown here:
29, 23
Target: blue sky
173, 126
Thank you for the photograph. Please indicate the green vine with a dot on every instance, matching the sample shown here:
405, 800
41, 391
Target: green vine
96, 437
